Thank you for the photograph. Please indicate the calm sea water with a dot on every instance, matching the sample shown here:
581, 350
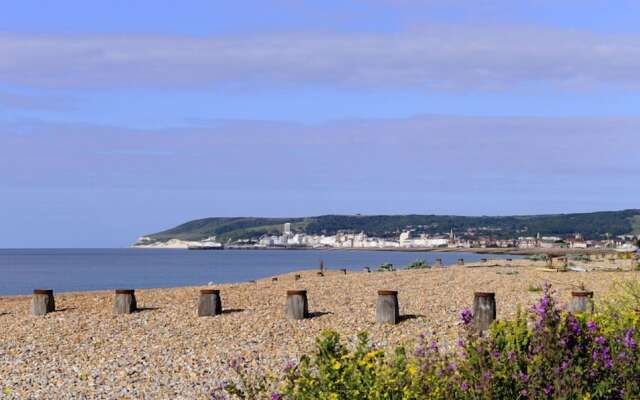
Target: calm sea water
21, 271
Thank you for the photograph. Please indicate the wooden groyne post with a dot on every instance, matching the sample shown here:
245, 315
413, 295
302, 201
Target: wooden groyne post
387, 307
297, 306
42, 302
581, 301
125, 301
484, 310
209, 303
460, 261
438, 263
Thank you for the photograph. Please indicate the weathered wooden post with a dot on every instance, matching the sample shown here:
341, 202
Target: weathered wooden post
460, 261
125, 301
297, 277
387, 308
343, 270
209, 303
484, 310
581, 301
366, 269
42, 302
297, 305
549, 261
438, 263
322, 266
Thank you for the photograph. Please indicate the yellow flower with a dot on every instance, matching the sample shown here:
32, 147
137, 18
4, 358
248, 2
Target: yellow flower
336, 365
412, 370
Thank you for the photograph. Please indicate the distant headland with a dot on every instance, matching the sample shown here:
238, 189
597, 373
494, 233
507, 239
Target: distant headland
606, 230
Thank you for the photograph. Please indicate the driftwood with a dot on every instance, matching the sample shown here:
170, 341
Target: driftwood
320, 273
42, 302
274, 279
387, 308
484, 310
581, 301
297, 305
209, 303
125, 301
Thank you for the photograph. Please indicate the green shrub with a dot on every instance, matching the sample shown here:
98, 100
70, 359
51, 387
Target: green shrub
386, 267
418, 264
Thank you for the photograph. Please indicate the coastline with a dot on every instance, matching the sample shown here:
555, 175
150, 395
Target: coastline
476, 250
166, 351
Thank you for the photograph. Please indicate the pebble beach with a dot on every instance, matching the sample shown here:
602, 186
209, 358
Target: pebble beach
164, 351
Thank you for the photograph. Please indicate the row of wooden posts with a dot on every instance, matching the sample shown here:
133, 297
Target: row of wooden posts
297, 305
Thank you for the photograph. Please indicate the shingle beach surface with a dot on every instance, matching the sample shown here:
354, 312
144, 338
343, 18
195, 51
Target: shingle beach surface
165, 351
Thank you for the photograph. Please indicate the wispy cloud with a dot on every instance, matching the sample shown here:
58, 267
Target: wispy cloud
441, 57
401, 154
12, 100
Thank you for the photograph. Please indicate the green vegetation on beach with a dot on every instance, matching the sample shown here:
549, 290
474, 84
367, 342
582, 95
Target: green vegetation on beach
545, 353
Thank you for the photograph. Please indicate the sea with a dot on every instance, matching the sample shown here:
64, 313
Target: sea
63, 270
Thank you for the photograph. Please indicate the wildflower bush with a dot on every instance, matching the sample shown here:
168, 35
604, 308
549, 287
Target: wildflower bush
544, 353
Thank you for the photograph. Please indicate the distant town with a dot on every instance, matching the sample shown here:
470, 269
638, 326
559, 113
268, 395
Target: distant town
408, 239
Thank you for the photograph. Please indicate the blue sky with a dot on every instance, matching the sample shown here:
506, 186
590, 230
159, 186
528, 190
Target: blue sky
120, 118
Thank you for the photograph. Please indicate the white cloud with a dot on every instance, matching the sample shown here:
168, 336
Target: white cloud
442, 57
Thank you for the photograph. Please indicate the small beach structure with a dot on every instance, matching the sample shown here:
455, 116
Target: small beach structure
484, 310
387, 307
209, 303
297, 306
581, 302
42, 302
125, 301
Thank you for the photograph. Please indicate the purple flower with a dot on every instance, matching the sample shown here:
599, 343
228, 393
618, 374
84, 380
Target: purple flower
601, 340
419, 352
524, 378
629, 341
592, 326
275, 396
564, 365
453, 366
290, 364
511, 356
466, 316
548, 390
573, 324
433, 346
464, 386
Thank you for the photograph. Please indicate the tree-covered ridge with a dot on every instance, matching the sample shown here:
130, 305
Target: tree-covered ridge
591, 225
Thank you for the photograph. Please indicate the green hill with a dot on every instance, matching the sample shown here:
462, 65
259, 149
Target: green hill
592, 225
